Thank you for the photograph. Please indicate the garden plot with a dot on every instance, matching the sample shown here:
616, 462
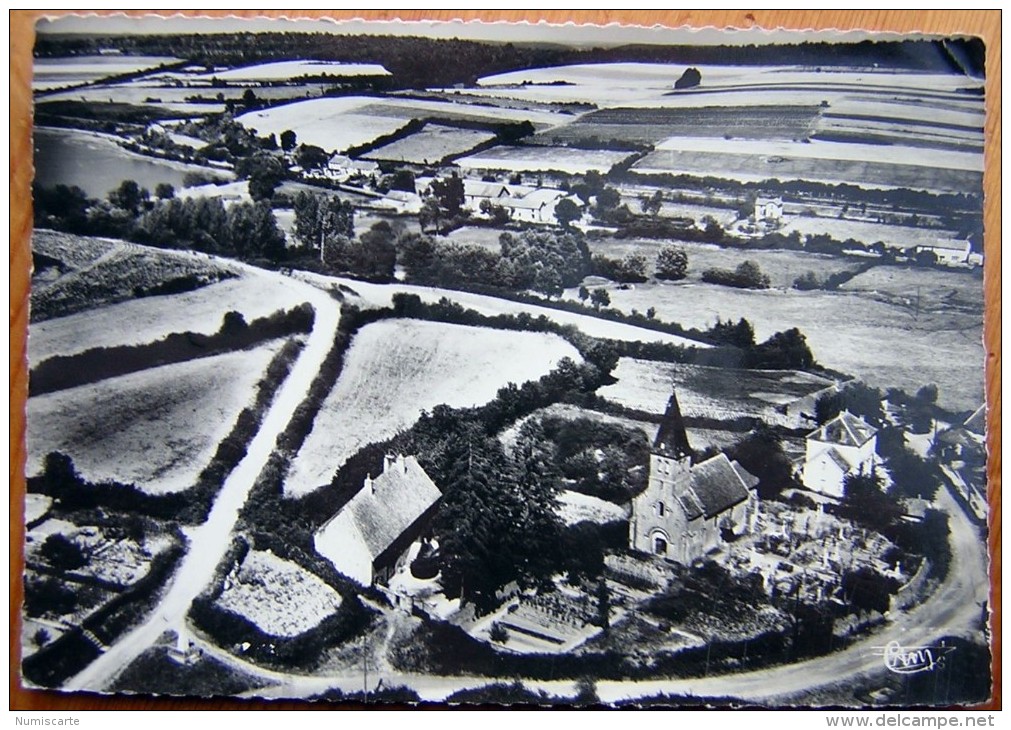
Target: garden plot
352, 121
276, 595
714, 393
574, 507
149, 319
431, 145
105, 272
395, 369
542, 159
53, 73
156, 429
886, 344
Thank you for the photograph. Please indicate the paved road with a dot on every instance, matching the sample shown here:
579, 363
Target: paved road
209, 541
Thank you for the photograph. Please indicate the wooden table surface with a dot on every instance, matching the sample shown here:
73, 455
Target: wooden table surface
985, 24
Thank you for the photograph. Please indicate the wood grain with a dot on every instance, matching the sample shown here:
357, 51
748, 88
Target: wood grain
985, 24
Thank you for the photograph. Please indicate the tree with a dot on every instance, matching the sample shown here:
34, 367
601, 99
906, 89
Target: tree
164, 191
691, 77
783, 351
310, 157
129, 196
600, 298
450, 195
318, 217
567, 212
584, 293
671, 263
651, 205
288, 140
264, 172
249, 97
633, 268
431, 212
62, 553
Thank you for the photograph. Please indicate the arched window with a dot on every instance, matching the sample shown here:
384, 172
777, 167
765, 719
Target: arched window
659, 545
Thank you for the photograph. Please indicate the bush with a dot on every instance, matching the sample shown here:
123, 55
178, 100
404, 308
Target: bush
746, 276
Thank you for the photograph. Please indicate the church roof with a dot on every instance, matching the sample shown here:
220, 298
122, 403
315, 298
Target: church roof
672, 438
714, 486
844, 430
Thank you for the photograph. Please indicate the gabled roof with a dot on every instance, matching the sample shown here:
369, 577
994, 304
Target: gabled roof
383, 510
718, 484
844, 430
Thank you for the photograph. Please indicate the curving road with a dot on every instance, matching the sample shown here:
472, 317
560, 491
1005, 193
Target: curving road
209, 541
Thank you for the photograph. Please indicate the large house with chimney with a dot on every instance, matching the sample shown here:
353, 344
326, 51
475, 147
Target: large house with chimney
689, 508
369, 537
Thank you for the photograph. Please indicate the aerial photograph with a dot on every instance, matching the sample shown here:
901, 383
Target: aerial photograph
391, 363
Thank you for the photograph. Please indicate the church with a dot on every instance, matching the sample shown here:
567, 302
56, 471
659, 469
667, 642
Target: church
689, 508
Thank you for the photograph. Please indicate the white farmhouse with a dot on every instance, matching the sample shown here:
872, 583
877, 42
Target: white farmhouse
341, 167
768, 210
952, 252
368, 539
843, 446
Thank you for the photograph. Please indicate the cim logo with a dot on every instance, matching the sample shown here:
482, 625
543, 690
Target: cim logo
913, 659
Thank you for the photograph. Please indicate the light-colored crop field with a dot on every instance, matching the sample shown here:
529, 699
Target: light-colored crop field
160, 90
708, 392
431, 145
884, 343
276, 595
102, 272
930, 290
395, 369
151, 318
156, 429
541, 159
50, 73
782, 267
339, 123
285, 70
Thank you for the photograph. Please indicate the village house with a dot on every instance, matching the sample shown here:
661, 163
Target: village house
369, 537
523, 203
961, 454
843, 446
768, 210
952, 252
688, 509
341, 167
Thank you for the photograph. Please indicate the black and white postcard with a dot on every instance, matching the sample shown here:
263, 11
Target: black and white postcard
506, 364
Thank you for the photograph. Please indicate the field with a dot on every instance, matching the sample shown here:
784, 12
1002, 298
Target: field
542, 158
276, 595
337, 124
866, 232
55, 73
163, 92
886, 344
431, 145
156, 429
760, 165
782, 267
651, 126
932, 290
285, 70
707, 392
84, 273
574, 507
395, 369
139, 321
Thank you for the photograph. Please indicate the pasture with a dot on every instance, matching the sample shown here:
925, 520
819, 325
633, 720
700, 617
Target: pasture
156, 429
289, 70
884, 343
395, 369
58, 73
78, 273
536, 158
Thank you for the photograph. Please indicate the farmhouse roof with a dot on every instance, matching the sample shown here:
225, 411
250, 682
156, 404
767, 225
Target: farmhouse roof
833, 455
946, 244
714, 486
672, 438
386, 507
844, 430
480, 189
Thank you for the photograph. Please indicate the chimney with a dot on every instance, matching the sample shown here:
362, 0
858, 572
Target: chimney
402, 463
388, 462
369, 484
